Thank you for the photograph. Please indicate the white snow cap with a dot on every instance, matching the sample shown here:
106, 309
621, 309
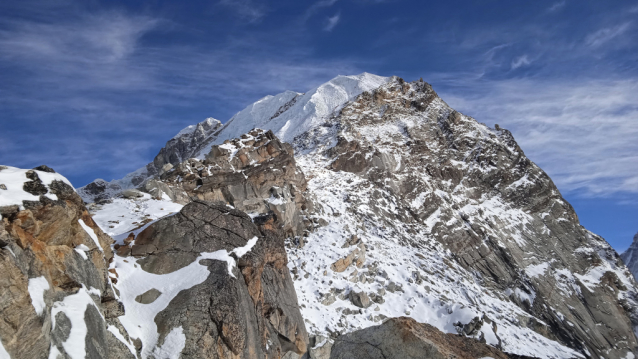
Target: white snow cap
289, 113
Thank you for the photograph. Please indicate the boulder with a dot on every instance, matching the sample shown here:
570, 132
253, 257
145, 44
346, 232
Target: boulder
245, 307
406, 338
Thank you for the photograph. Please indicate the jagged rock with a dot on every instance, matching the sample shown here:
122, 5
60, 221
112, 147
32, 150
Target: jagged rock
186, 144
405, 338
360, 299
630, 256
54, 260
357, 256
320, 347
256, 174
249, 310
45, 168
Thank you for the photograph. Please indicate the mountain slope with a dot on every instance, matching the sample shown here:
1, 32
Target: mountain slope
424, 212
630, 256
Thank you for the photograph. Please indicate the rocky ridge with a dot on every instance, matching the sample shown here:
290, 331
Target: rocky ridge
57, 299
630, 256
205, 282
186, 144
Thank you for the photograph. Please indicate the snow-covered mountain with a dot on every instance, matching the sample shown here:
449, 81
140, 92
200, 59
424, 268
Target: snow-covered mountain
630, 256
392, 204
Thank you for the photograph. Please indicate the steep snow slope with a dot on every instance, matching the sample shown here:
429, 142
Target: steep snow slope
430, 214
630, 257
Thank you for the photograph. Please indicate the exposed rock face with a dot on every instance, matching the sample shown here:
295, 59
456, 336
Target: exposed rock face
419, 181
256, 174
630, 257
186, 144
405, 338
242, 306
55, 296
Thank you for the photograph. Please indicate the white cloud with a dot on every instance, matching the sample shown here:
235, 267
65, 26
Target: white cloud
332, 22
604, 35
582, 133
520, 62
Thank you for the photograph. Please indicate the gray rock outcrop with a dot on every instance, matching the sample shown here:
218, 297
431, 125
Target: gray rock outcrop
249, 311
630, 257
256, 174
405, 338
55, 295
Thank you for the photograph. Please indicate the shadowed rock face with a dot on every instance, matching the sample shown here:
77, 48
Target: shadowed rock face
48, 258
256, 174
405, 338
251, 315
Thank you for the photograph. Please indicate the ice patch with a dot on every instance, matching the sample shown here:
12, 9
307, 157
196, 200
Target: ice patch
82, 249
536, 270
37, 287
241, 251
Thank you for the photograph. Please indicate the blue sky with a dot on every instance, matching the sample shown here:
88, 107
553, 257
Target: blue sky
95, 88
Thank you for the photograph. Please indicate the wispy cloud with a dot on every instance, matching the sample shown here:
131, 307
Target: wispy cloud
98, 90
316, 7
246, 9
557, 6
520, 62
581, 132
607, 34
332, 22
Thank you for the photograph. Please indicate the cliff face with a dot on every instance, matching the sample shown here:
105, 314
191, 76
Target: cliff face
216, 286
56, 298
630, 256
453, 215
255, 173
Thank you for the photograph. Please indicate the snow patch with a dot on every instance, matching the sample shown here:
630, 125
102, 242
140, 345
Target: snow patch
74, 307
91, 234
37, 287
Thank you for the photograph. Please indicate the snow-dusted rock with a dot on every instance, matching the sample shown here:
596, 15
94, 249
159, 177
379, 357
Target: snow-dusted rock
212, 283
630, 256
55, 296
405, 338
